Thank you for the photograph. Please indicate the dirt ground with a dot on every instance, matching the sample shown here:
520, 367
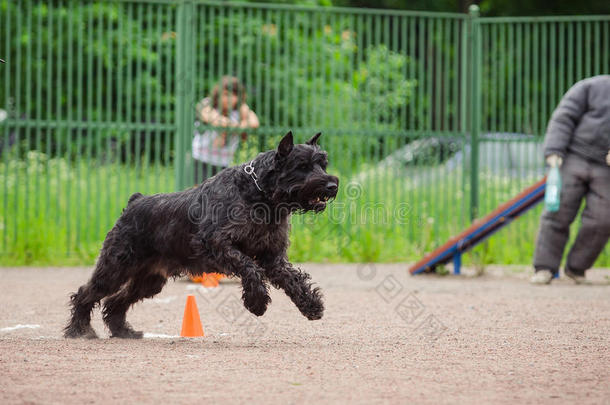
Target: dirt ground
386, 337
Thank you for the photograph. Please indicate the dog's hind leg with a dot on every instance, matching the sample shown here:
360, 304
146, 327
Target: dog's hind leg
116, 306
82, 303
103, 282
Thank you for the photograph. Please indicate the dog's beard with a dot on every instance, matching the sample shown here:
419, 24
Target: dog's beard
309, 196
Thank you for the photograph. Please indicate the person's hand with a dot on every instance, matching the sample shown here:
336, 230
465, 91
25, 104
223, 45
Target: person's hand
608, 158
248, 117
244, 111
220, 141
244, 115
554, 160
214, 118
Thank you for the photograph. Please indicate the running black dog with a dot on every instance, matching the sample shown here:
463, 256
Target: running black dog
235, 223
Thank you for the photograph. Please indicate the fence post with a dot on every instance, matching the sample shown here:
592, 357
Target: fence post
475, 107
184, 91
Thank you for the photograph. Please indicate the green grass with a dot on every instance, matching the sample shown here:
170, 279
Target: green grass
52, 213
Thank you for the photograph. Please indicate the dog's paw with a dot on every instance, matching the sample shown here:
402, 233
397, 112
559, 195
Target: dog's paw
314, 312
257, 306
90, 333
314, 307
257, 309
256, 302
85, 332
126, 332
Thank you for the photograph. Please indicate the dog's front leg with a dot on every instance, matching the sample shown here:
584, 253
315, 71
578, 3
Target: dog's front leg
254, 291
295, 282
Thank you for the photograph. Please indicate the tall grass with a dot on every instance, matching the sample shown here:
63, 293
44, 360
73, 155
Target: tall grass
52, 213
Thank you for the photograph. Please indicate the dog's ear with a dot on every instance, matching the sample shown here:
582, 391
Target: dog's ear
314, 139
286, 145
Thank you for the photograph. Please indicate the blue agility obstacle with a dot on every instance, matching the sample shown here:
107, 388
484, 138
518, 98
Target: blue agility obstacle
481, 229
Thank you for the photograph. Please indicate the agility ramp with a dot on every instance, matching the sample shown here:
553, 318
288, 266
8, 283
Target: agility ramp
481, 229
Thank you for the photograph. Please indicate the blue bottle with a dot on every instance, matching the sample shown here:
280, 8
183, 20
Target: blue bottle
553, 190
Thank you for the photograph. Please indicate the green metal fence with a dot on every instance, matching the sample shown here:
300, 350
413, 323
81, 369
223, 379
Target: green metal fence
429, 118
526, 65
88, 88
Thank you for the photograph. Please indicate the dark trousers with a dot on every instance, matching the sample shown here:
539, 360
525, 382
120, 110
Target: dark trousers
204, 170
581, 179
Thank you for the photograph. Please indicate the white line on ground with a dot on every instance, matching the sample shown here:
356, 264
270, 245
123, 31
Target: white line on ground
160, 336
165, 300
12, 328
199, 288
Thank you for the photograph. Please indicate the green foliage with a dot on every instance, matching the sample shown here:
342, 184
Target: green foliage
87, 61
344, 86
382, 87
113, 63
542, 7
490, 7
422, 5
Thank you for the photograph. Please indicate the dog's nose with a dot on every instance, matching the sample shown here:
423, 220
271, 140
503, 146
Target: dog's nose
331, 186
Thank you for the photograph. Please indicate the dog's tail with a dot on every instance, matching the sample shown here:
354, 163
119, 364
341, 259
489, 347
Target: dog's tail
134, 197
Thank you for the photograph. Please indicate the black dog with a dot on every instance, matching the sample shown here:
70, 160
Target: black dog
236, 223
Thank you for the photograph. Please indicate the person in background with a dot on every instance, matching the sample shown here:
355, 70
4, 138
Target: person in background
578, 142
226, 107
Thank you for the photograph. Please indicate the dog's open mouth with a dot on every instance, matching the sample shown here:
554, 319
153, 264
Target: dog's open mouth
319, 203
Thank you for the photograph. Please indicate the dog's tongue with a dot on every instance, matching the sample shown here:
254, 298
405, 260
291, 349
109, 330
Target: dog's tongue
317, 204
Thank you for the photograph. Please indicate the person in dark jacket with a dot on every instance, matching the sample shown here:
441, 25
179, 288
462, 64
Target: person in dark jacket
578, 142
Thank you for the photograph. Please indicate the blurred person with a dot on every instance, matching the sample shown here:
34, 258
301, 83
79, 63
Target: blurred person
577, 141
226, 107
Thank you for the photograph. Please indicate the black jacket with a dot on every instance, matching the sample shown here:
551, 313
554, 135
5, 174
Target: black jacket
581, 122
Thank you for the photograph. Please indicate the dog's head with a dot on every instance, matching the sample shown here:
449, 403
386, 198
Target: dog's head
301, 180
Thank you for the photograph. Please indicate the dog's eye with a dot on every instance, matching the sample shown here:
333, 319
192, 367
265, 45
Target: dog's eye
303, 166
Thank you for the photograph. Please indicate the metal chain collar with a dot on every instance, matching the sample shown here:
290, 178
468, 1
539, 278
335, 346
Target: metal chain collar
249, 169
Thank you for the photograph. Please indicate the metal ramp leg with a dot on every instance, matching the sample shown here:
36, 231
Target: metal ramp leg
457, 263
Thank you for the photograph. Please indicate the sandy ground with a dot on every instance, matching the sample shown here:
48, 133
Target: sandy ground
386, 338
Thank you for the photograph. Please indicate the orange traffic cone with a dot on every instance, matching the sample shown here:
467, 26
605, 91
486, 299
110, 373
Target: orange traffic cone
191, 323
209, 280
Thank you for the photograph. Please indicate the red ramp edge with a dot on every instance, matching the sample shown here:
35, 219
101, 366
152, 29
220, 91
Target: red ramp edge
481, 229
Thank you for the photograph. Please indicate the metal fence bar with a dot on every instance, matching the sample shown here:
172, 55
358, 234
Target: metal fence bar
184, 90
475, 123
